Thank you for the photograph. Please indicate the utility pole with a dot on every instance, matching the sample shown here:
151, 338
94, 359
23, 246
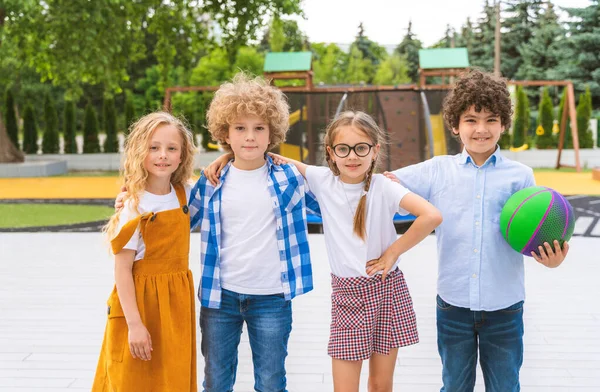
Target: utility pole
497, 39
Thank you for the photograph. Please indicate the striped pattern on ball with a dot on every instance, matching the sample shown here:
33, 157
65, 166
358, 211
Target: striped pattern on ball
536, 215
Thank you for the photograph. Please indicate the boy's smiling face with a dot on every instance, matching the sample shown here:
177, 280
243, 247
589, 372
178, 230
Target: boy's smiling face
479, 133
249, 139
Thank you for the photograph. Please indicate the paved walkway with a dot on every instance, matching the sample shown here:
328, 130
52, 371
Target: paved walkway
53, 289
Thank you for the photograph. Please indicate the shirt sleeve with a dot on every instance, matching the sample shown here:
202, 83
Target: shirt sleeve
315, 175
418, 178
394, 193
195, 202
530, 178
125, 216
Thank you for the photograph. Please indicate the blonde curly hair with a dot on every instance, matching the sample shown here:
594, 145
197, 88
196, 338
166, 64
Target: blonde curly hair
133, 172
245, 96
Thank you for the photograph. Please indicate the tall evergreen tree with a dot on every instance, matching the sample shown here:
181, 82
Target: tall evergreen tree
90, 131
371, 55
50, 140
582, 61
111, 143
542, 53
568, 139
409, 48
466, 37
12, 128
584, 114
70, 145
482, 53
520, 23
544, 138
520, 121
30, 131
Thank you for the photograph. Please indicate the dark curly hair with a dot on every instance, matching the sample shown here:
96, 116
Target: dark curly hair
479, 89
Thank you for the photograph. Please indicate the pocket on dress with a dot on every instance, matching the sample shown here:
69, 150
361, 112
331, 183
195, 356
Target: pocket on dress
348, 312
116, 330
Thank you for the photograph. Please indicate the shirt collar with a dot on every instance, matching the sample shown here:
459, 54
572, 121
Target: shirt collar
494, 159
270, 167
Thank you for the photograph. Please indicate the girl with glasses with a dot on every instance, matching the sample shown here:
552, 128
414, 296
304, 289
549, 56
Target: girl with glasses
372, 311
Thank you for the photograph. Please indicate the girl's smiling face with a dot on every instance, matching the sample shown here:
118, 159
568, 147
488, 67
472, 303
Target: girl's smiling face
353, 153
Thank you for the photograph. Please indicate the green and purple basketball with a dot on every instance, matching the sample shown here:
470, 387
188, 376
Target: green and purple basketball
536, 215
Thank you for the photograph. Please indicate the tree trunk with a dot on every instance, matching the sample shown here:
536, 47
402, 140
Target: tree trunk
8, 152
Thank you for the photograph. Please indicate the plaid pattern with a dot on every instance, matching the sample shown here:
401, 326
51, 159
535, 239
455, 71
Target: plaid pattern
291, 198
369, 316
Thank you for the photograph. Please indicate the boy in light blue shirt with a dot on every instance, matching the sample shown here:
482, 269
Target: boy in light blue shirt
480, 277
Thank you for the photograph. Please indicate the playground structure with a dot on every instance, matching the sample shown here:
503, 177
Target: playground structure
410, 114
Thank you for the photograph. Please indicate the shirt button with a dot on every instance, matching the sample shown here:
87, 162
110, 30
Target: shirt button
479, 196
475, 250
474, 276
476, 223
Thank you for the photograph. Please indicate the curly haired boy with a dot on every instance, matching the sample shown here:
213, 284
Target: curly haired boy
254, 256
480, 285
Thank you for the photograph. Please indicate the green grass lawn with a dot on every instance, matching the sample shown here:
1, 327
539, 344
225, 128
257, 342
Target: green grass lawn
561, 170
30, 215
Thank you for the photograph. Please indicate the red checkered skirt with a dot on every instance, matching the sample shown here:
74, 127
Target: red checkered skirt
368, 315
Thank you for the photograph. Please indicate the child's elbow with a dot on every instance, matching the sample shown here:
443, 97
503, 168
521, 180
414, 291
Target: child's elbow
436, 218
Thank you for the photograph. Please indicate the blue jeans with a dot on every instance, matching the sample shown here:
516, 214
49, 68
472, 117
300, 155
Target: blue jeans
269, 322
498, 334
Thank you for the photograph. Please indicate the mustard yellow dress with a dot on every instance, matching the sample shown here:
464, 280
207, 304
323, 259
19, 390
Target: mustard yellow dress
164, 290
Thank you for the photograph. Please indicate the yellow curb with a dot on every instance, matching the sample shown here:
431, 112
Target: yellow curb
59, 188
108, 187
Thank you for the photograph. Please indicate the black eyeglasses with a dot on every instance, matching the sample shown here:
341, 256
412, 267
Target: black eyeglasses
360, 149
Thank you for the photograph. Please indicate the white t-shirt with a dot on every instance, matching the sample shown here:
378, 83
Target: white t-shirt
149, 202
250, 262
347, 252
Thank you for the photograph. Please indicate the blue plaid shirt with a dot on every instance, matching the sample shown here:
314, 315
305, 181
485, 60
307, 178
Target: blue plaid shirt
291, 198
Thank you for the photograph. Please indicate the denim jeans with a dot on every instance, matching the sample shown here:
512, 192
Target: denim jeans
499, 336
269, 322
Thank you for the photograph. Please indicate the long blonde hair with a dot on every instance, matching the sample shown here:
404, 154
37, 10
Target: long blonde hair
133, 173
365, 123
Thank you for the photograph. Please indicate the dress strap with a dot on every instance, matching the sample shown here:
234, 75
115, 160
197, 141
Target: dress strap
180, 191
127, 231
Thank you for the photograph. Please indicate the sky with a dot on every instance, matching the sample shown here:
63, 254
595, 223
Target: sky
385, 21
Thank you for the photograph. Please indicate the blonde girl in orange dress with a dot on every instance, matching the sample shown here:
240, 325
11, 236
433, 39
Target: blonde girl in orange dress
150, 338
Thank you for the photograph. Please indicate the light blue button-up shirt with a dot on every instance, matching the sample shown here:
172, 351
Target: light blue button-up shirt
477, 269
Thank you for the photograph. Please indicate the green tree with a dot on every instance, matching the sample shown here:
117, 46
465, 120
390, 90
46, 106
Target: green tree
581, 61
544, 138
519, 26
90, 131
584, 114
276, 35
409, 48
329, 64
129, 113
249, 61
568, 138
50, 140
359, 68
30, 131
239, 21
70, 145
393, 71
520, 121
542, 53
482, 53
12, 128
111, 143
466, 37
